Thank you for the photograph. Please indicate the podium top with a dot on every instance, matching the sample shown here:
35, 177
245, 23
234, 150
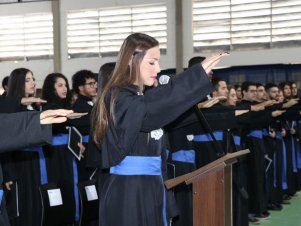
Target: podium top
227, 159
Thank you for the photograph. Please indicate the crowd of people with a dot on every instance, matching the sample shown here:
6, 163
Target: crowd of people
136, 130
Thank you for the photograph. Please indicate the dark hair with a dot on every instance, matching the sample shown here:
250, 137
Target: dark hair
16, 82
5, 81
79, 79
283, 84
126, 72
49, 93
215, 82
245, 86
259, 84
104, 74
269, 86
236, 86
195, 60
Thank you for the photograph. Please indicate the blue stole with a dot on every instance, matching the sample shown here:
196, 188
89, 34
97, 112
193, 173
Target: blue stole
85, 139
277, 137
184, 156
284, 167
142, 165
255, 133
62, 139
1, 197
207, 137
42, 161
237, 140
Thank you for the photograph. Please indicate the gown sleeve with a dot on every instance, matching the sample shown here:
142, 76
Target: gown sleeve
22, 130
154, 110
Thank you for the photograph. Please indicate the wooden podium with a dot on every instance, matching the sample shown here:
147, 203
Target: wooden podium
211, 191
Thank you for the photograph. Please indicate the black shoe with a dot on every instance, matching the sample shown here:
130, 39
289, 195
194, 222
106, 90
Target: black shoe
275, 207
253, 220
287, 197
278, 205
286, 202
263, 215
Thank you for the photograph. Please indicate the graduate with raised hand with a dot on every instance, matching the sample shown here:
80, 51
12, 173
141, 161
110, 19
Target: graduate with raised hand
128, 126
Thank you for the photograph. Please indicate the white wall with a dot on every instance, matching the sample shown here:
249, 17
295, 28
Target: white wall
41, 68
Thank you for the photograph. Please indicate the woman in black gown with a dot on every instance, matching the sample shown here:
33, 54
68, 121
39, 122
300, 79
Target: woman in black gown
128, 126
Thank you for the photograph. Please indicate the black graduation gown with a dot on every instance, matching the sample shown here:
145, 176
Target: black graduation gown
59, 162
27, 173
256, 160
138, 200
83, 104
26, 130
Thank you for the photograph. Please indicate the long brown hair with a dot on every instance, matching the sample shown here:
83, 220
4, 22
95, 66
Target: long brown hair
126, 72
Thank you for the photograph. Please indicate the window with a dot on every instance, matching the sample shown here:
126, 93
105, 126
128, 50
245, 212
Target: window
238, 24
20, 1
26, 37
100, 32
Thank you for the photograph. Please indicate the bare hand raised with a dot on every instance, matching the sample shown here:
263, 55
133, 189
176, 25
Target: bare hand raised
210, 62
32, 100
54, 116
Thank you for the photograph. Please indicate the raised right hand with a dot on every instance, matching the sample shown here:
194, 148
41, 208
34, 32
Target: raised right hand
210, 62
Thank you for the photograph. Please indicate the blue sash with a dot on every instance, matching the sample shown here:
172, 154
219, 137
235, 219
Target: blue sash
184, 156
295, 170
43, 169
265, 133
61, 139
138, 165
236, 140
207, 137
85, 139
75, 183
141, 165
278, 136
298, 155
284, 167
1, 196
256, 134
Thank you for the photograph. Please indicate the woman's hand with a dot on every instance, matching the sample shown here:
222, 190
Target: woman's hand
209, 103
54, 116
291, 103
277, 113
81, 149
8, 185
240, 112
210, 62
32, 100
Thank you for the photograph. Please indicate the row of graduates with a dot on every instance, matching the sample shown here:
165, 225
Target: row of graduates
26, 170
267, 126
130, 196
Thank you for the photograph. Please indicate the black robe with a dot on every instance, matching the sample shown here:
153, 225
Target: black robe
25, 129
83, 104
139, 200
26, 170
